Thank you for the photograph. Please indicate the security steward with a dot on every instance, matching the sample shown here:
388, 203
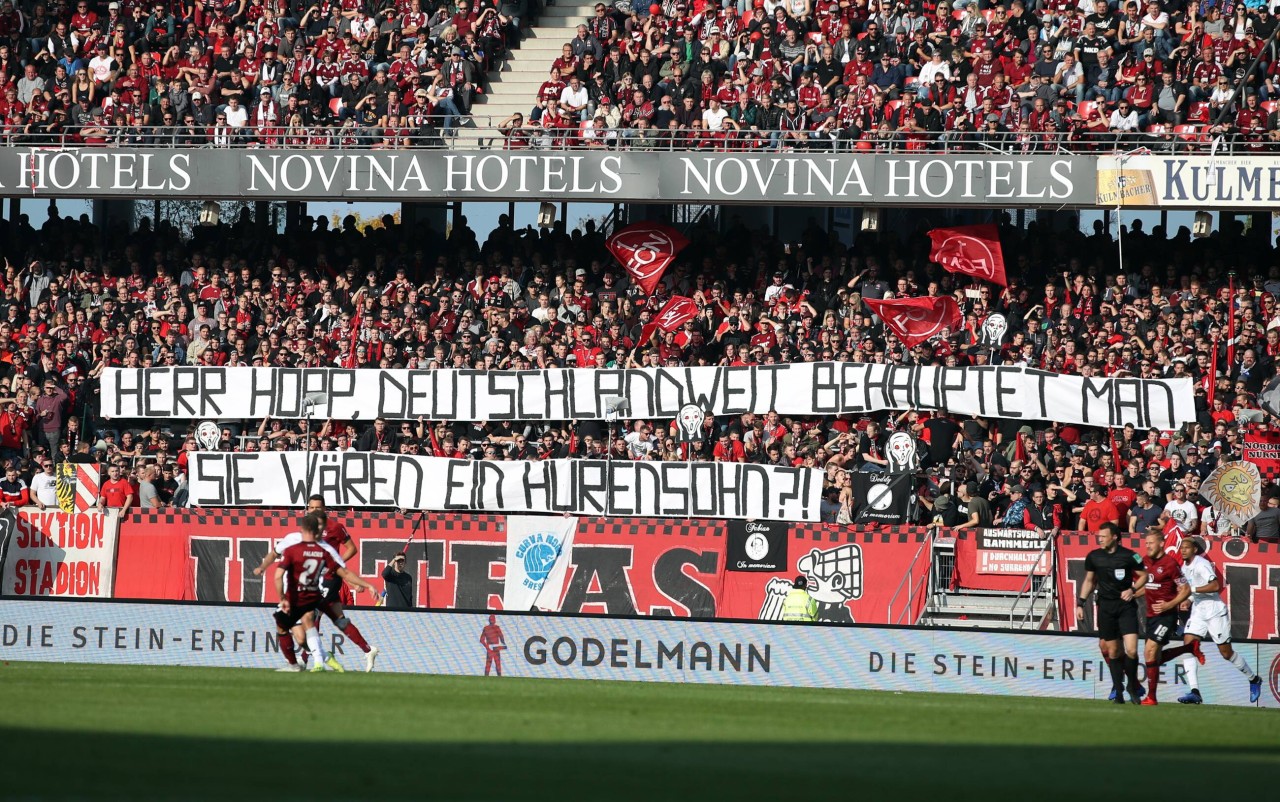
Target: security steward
799, 605
1118, 574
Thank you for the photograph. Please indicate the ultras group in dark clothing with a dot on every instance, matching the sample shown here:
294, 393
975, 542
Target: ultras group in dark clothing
399, 588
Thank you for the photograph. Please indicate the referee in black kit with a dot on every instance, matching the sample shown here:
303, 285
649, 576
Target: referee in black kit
1118, 575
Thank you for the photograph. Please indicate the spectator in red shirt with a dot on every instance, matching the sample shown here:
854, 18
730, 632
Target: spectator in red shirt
116, 492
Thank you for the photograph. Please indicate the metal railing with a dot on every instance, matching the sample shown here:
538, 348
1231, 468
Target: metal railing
909, 584
470, 134
1036, 587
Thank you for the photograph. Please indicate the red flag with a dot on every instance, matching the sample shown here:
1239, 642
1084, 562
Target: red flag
972, 250
1231, 323
915, 320
678, 311
1211, 383
646, 250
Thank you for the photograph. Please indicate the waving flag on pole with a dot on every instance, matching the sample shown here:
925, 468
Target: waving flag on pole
646, 250
915, 320
678, 311
971, 250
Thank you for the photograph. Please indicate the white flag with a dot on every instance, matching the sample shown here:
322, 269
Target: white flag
539, 550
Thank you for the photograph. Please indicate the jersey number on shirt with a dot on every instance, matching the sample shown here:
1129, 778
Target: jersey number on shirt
309, 569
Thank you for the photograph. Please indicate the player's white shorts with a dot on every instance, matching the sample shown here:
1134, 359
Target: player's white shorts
1210, 621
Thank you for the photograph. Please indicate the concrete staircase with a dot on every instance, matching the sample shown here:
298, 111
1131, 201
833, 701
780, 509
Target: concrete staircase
515, 85
982, 608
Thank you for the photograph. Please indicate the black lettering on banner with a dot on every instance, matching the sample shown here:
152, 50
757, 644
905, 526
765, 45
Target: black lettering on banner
327, 469
747, 389
1241, 581
754, 491
953, 381
619, 488
898, 385
212, 386
982, 371
262, 392
212, 555
488, 487
1042, 378
288, 395
535, 480
186, 385
125, 390
558, 394
354, 472
251, 552
670, 579
647, 471
342, 387
529, 384
874, 383
207, 464
696, 392
405, 473
610, 383
297, 487
851, 374
419, 389
640, 385
1147, 390
668, 395
1133, 400
703, 490
393, 397
475, 587
501, 389
445, 396
593, 485
153, 390
793, 494
1090, 392
1075, 575
600, 580
675, 489
770, 372
1007, 383
825, 399
457, 494
566, 494
729, 494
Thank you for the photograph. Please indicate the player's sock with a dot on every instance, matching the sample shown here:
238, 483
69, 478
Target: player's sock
1153, 678
1117, 672
355, 637
316, 645
1171, 653
1189, 665
1131, 670
286, 648
1241, 665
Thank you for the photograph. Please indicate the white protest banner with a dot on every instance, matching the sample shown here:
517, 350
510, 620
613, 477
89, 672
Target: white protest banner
539, 551
61, 554
806, 388
582, 487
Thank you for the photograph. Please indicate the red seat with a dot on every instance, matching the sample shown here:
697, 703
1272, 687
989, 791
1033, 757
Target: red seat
335, 106
1190, 133
1085, 108
1198, 113
1270, 106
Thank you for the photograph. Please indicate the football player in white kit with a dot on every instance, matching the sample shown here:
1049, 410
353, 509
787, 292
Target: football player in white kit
1208, 619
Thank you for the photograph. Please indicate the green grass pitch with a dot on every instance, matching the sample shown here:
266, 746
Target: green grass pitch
194, 733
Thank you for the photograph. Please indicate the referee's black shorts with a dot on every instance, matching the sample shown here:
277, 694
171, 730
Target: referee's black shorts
1116, 618
1161, 628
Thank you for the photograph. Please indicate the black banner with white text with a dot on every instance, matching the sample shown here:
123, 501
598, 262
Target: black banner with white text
812, 388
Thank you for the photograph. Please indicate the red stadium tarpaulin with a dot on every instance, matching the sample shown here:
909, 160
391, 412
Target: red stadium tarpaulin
998, 559
1251, 571
619, 566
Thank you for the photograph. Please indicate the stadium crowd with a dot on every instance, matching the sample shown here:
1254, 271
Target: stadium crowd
872, 75
733, 75
273, 73
78, 299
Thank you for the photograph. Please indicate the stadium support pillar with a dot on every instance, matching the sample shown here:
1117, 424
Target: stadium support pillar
113, 216
433, 216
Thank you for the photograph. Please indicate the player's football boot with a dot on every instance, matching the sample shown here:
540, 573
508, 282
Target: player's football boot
291, 668
1136, 693
1195, 649
334, 665
370, 658
316, 667
1191, 697
1112, 696
1255, 689
1149, 701
1117, 697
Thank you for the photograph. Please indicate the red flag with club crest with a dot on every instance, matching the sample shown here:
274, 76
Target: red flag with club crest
646, 250
674, 314
971, 250
915, 320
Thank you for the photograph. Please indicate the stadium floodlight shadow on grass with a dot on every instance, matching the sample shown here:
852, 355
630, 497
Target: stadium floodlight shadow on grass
125, 732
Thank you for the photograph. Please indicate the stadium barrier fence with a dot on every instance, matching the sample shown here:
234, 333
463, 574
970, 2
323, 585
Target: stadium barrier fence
636, 649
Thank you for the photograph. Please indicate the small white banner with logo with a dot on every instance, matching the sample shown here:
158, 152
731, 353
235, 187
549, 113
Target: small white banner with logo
539, 551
